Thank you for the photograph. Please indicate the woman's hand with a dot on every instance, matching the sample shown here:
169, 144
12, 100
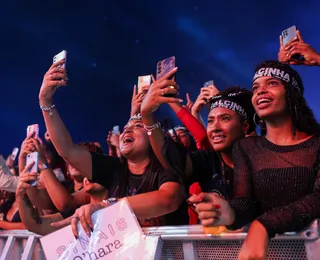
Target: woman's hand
137, 99
41, 149
24, 178
213, 209
82, 214
255, 246
205, 94
27, 147
157, 91
189, 104
53, 79
311, 57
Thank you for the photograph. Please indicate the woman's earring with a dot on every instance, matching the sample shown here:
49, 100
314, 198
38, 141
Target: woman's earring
260, 122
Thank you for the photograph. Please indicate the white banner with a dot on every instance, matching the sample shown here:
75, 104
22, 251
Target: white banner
116, 235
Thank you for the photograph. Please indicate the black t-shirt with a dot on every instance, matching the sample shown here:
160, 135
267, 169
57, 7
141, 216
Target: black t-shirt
207, 168
113, 174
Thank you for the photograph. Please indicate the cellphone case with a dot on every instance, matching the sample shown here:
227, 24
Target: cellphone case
30, 158
60, 56
33, 129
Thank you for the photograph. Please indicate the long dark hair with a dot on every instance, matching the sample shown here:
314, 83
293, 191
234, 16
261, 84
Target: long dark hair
301, 114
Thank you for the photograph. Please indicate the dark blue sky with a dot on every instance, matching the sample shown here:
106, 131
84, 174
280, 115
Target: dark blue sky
111, 43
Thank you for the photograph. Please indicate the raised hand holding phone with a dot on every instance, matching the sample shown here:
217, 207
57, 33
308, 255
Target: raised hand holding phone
158, 92
54, 78
302, 49
33, 157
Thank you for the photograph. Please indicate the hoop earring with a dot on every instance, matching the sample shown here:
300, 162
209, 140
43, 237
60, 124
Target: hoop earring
255, 122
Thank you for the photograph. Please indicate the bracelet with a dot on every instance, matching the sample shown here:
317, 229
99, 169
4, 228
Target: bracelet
149, 129
47, 109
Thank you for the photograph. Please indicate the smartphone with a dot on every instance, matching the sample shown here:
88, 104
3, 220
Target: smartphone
33, 129
60, 56
116, 130
287, 36
14, 153
143, 81
164, 66
208, 83
30, 158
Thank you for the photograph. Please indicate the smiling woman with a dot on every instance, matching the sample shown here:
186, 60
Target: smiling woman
278, 178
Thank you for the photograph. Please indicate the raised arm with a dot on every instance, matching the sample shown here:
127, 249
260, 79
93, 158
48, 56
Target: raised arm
153, 99
196, 128
298, 47
76, 156
205, 94
29, 216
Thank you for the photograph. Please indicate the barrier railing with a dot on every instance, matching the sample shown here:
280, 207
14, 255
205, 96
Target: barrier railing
183, 242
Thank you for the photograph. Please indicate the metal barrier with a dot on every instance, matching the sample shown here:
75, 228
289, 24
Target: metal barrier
183, 242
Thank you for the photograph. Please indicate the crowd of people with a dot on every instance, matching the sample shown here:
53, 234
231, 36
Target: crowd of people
225, 173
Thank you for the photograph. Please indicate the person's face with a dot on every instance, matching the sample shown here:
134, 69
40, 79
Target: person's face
183, 137
92, 187
269, 98
225, 127
134, 140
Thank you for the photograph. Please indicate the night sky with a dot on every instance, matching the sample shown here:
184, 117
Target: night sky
111, 43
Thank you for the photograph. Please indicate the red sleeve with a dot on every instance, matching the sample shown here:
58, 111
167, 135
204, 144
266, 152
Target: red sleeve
196, 129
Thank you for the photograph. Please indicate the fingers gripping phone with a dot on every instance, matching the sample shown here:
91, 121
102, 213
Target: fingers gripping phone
165, 66
33, 157
288, 35
60, 56
33, 129
143, 81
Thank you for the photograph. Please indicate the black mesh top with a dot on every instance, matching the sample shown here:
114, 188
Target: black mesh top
277, 185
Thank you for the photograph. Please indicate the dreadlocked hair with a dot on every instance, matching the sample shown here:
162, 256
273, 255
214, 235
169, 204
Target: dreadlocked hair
301, 114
